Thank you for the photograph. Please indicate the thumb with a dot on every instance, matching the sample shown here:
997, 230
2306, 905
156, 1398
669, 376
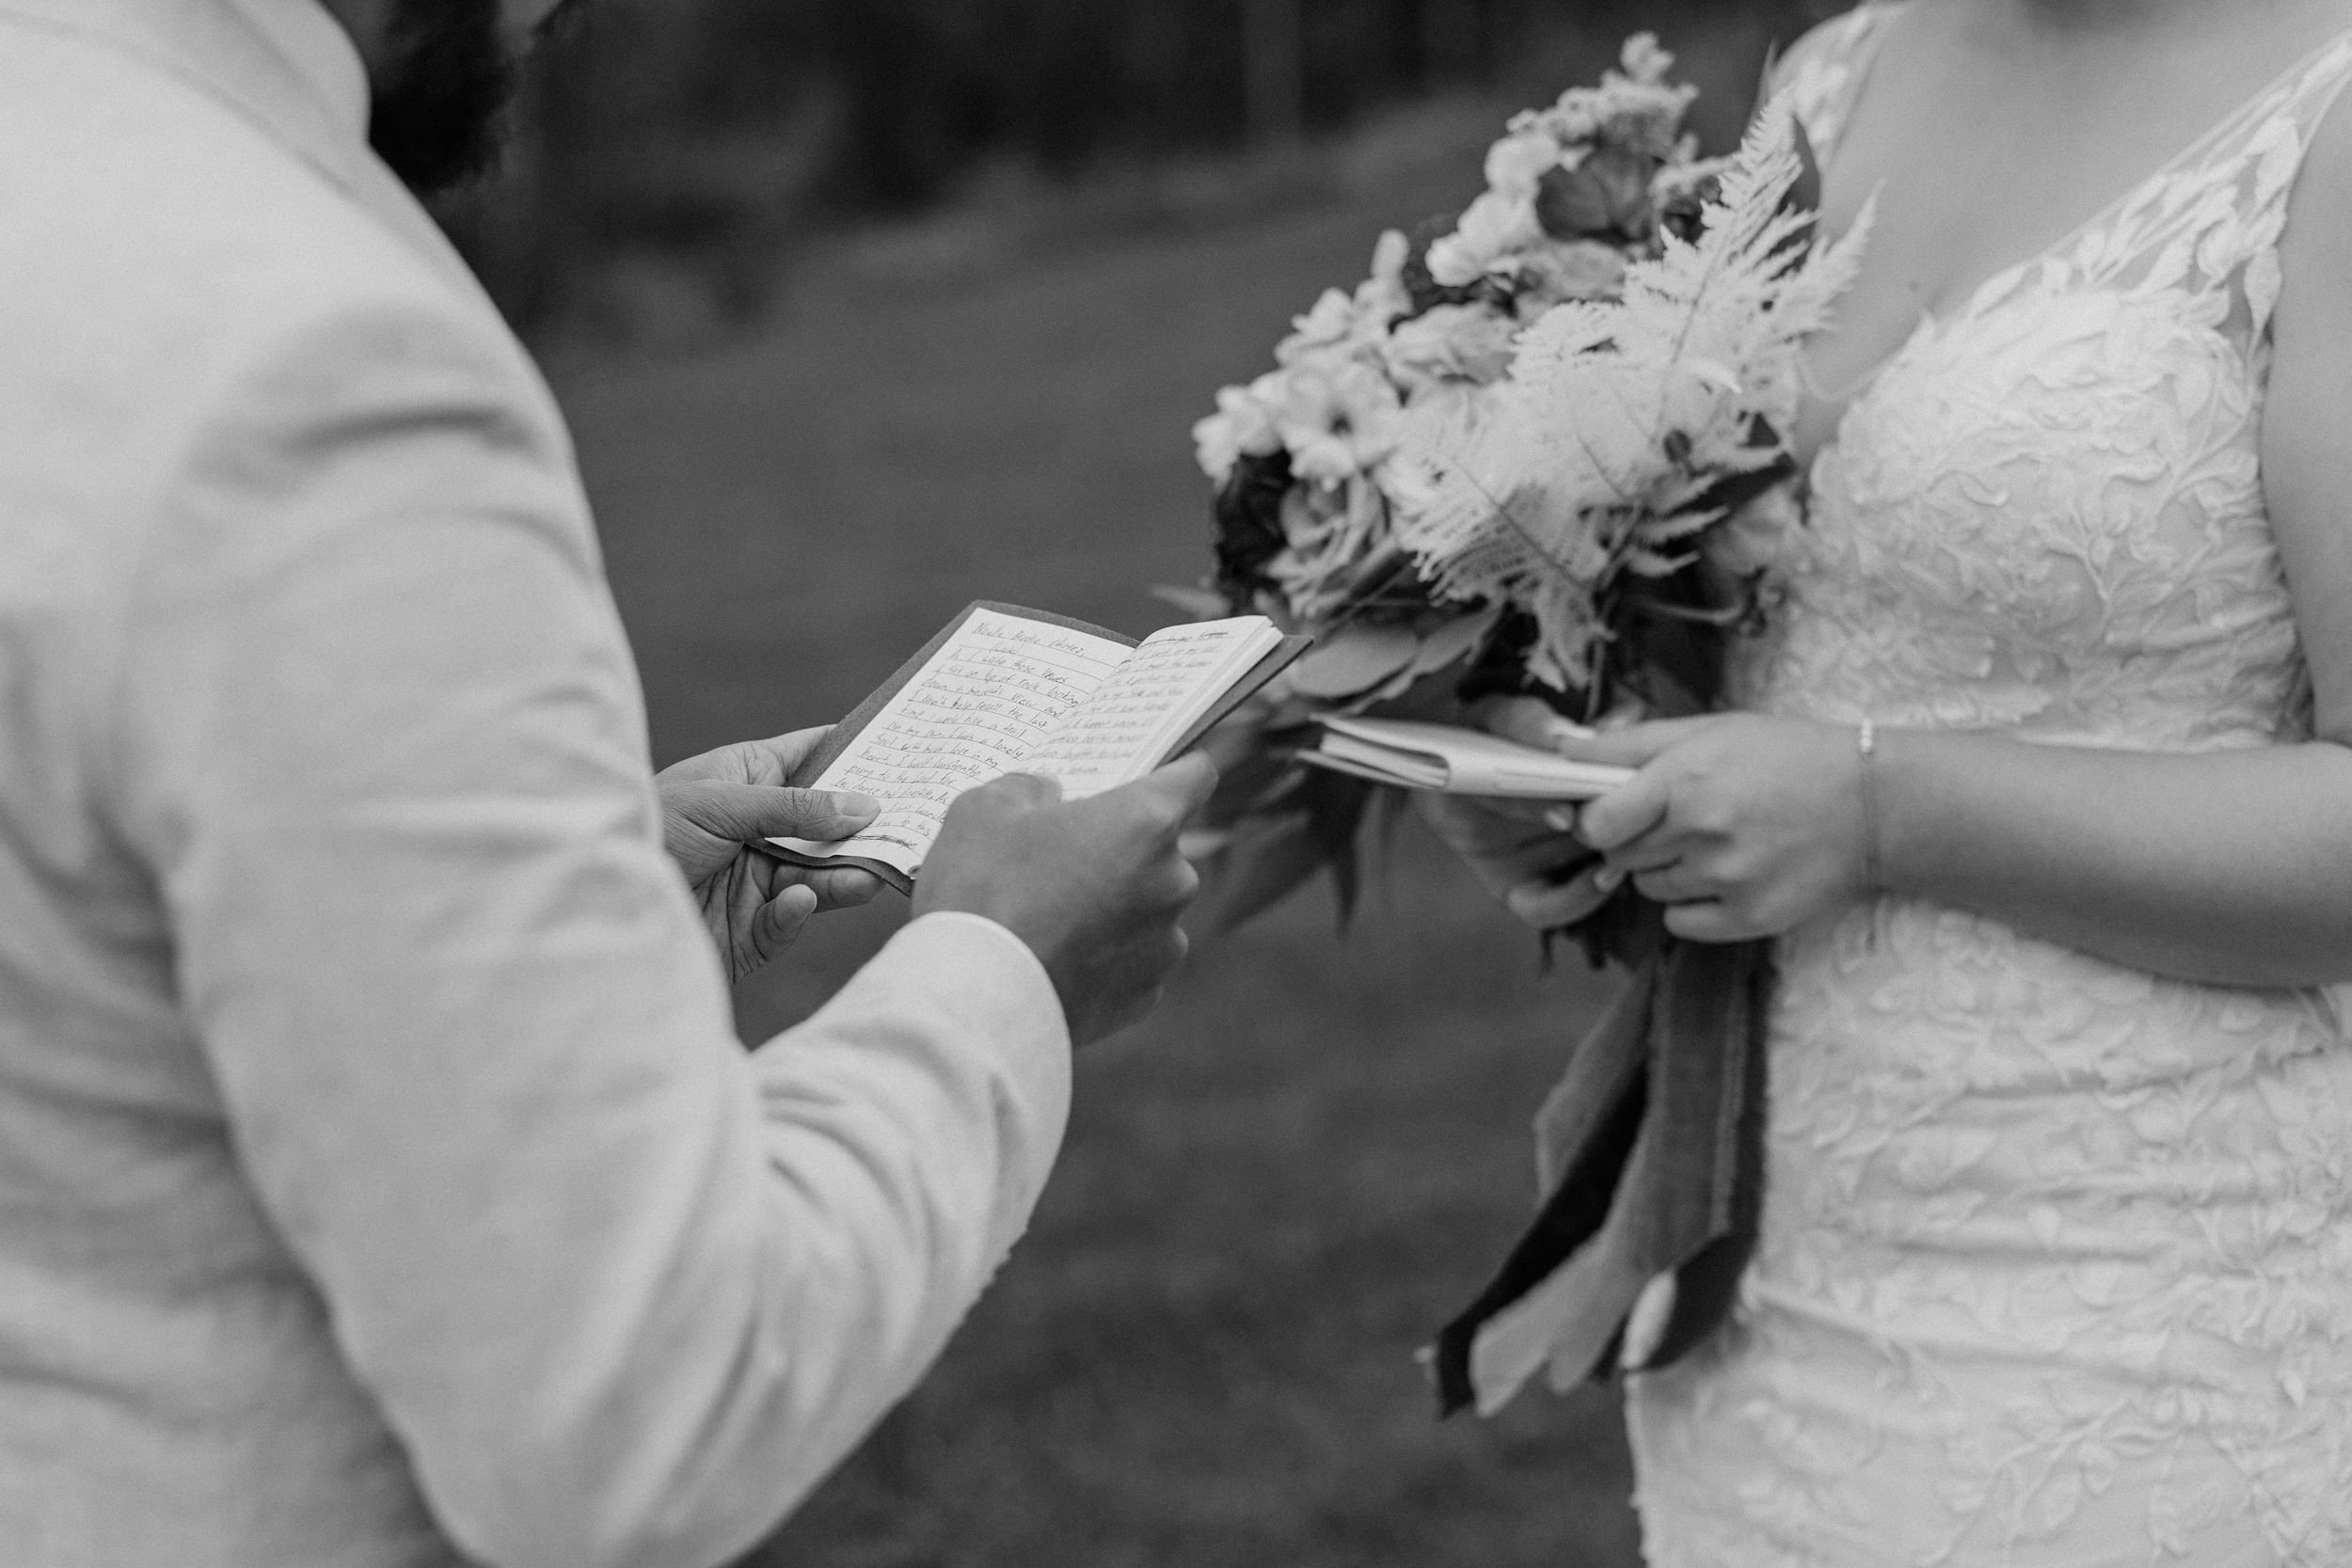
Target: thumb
1625, 813
745, 814
1529, 721
1189, 782
1634, 746
780, 921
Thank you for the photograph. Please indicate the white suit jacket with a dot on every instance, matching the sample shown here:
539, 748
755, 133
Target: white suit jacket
380, 1181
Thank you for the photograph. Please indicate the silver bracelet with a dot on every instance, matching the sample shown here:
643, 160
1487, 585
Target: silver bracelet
1867, 748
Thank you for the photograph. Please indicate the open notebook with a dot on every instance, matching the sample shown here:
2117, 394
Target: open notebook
1455, 760
1003, 690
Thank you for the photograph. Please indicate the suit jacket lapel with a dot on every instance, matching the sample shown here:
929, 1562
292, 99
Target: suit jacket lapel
216, 47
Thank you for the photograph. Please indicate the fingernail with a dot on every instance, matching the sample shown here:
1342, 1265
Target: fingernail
1608, 879
1561, 819
857, 805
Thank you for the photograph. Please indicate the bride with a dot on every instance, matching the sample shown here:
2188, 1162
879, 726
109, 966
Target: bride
2042, 786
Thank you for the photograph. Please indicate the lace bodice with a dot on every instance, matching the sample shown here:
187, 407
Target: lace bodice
2045, 511
2057, 1256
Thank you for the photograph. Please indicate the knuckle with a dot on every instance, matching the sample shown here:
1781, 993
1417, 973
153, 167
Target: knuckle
973, 803
1708, 813
1164, 813
1029, 789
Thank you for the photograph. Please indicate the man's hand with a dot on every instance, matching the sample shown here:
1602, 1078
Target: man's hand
714, 806
1093, 886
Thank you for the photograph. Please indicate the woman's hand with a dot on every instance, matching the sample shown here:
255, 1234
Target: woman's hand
1524, 852
1521, 851
1742, 826
715, 805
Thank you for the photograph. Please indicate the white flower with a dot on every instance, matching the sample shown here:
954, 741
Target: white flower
1383, 297
1338, 420
1515, 164
1752, 539
1330, 324
1644, 61
1580, 269
1495, 228
1329, 530
1242, 425
1574, 120
1452, 342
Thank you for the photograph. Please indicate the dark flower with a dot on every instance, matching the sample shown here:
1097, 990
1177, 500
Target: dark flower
1249, 526
1605, 196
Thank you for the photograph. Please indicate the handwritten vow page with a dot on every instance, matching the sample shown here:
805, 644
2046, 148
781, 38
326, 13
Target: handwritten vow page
975, 712
1005, 695
1126, 727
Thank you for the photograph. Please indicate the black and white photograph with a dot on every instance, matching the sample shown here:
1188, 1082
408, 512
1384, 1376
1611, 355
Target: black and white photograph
1175, 783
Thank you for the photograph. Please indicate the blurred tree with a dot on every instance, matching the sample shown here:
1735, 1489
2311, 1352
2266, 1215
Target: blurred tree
1448, 37
701, 136
1274, 68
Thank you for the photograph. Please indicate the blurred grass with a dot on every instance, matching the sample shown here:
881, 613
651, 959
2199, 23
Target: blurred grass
1279, 1186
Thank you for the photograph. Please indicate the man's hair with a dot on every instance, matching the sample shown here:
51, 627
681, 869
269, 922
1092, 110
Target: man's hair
440, 115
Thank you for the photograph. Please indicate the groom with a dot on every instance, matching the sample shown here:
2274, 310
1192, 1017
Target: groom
380, 1181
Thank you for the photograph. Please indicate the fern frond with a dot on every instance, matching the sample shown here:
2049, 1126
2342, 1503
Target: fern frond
1617, 417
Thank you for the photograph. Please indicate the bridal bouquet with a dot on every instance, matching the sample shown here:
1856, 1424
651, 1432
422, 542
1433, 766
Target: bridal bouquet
1539, 451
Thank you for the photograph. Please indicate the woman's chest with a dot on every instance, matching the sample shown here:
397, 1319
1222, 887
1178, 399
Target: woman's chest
2052, 507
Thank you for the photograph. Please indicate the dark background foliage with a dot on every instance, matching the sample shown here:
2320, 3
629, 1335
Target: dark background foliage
865, 309
714, 135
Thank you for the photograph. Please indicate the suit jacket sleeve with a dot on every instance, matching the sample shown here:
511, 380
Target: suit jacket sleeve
624, 1292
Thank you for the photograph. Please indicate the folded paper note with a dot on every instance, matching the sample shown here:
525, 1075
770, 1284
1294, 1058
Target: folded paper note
1455, 760
1003, 690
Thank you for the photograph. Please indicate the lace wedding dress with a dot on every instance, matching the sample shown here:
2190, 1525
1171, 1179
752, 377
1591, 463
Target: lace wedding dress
2056, 1265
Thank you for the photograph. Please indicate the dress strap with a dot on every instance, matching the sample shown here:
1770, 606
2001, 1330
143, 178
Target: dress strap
2271, 159
2212, 216
1824, 74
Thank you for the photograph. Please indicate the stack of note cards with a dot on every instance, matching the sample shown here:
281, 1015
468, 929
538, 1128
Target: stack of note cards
1455, 760
1003, 690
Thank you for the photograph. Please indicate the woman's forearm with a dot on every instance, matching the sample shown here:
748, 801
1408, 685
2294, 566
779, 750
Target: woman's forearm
2231, 869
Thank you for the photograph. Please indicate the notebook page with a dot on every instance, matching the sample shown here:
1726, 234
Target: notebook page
1171, 679
975, 710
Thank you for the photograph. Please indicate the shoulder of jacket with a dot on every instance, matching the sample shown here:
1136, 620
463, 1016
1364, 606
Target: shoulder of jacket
179, 242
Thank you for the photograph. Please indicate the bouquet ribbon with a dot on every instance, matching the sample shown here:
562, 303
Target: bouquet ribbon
1653, 1156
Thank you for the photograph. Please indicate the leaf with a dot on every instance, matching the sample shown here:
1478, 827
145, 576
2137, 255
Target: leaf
1354, 661
1259, 783
1268, 860
1270, 857
1336, 814
1451, 642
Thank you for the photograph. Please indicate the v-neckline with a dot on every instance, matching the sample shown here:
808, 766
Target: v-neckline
2263, 102
1978, 298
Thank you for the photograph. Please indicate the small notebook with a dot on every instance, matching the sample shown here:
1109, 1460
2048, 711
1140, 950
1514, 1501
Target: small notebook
1455, 760
1003, 690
